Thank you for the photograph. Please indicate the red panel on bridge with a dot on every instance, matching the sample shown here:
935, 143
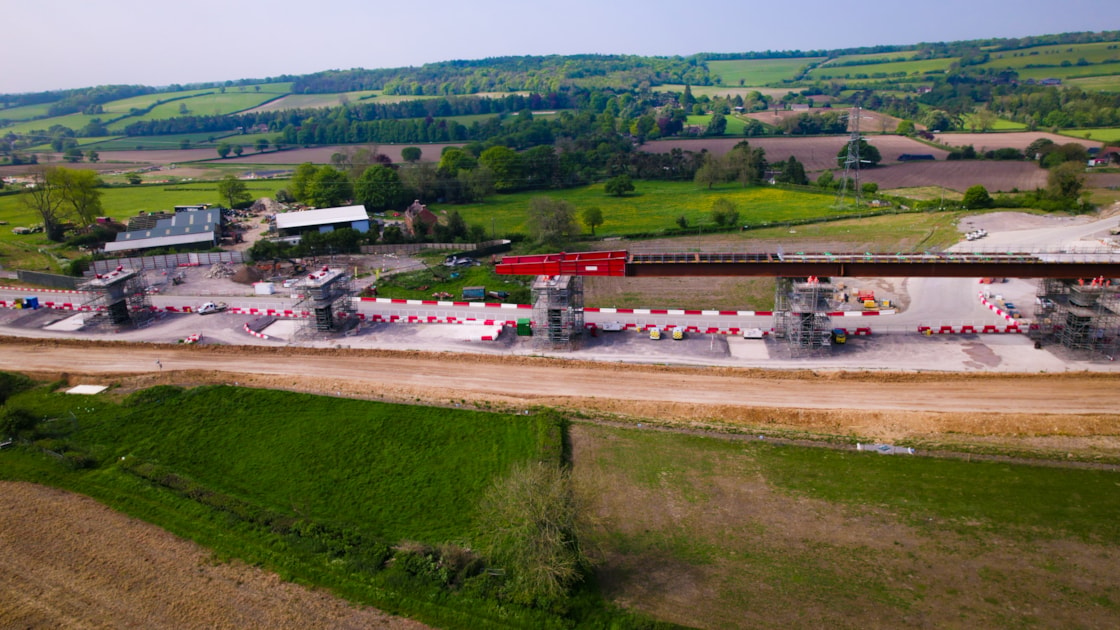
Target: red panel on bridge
611, 263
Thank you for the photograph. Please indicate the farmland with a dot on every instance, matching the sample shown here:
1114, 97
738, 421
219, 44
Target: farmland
825, 537
880, 70
759, 72
302, 101
654, 206
246, 472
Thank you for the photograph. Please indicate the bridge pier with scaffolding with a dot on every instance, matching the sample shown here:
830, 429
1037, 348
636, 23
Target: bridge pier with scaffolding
801, 307
1079, 315
557, 312
328, 297
119, 299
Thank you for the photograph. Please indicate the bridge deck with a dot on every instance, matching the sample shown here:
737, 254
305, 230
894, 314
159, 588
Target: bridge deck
1055, 264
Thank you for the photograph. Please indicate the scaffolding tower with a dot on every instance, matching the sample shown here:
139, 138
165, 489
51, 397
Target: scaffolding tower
801, 317
119, 299
557, 312
1079, 315
327, 296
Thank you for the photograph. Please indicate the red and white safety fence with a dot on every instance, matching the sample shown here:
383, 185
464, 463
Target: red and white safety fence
966, 329
995, 309
255, 333
621, 311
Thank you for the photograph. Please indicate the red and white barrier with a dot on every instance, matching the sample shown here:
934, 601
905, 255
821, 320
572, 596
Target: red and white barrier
255, 333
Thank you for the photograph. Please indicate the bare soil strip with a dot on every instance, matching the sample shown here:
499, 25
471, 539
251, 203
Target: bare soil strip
67, 561
878, 405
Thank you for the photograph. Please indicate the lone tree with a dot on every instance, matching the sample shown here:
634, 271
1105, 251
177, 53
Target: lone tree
977, 197
592, 217
619, 186
44, 196
223, 150
552, 221
868, 155
233, 190
528, 520
411, 154
724, 212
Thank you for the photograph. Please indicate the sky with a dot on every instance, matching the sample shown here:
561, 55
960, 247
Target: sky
59, 44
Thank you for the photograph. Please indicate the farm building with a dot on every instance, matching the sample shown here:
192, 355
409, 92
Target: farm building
187, 229
294, 224
418, 220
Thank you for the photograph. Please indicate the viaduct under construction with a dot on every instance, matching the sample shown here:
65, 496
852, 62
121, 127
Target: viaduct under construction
1077, 305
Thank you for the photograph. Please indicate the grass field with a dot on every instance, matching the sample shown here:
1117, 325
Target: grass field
1108, 83
697, 530
1101, 134
758, 72
24, 113
653, 207
771, 536
1055, 55
313, 487
212, 102
880, 69
309, 101
1000, 124
735, 125
172, 141
206, 101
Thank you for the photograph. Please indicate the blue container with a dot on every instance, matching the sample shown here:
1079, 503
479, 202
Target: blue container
31, 302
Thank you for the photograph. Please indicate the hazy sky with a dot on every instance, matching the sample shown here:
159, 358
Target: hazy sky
53, 44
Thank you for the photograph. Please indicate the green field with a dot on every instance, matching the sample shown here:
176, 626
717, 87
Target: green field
1000, 124
758, 72
880, 70
1105, 134
1055, 55
779, 536
171, 141
313, 487
24, 113
775, 535
202, 102
653, 207
735, 125
309, 101
1109, 83
212, 102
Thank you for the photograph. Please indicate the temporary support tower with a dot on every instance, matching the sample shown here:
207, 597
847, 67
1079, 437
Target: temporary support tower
557, 312
1079, 314
328, 298
119, 298
801, 317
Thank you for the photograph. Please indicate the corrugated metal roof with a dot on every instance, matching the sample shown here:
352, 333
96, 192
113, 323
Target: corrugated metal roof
159, 241
324, 216
199, 226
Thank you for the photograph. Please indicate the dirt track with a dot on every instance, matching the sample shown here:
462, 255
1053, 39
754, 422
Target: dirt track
881, 405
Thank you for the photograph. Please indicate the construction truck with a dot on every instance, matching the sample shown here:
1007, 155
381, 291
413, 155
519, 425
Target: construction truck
212, 307
839, 336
